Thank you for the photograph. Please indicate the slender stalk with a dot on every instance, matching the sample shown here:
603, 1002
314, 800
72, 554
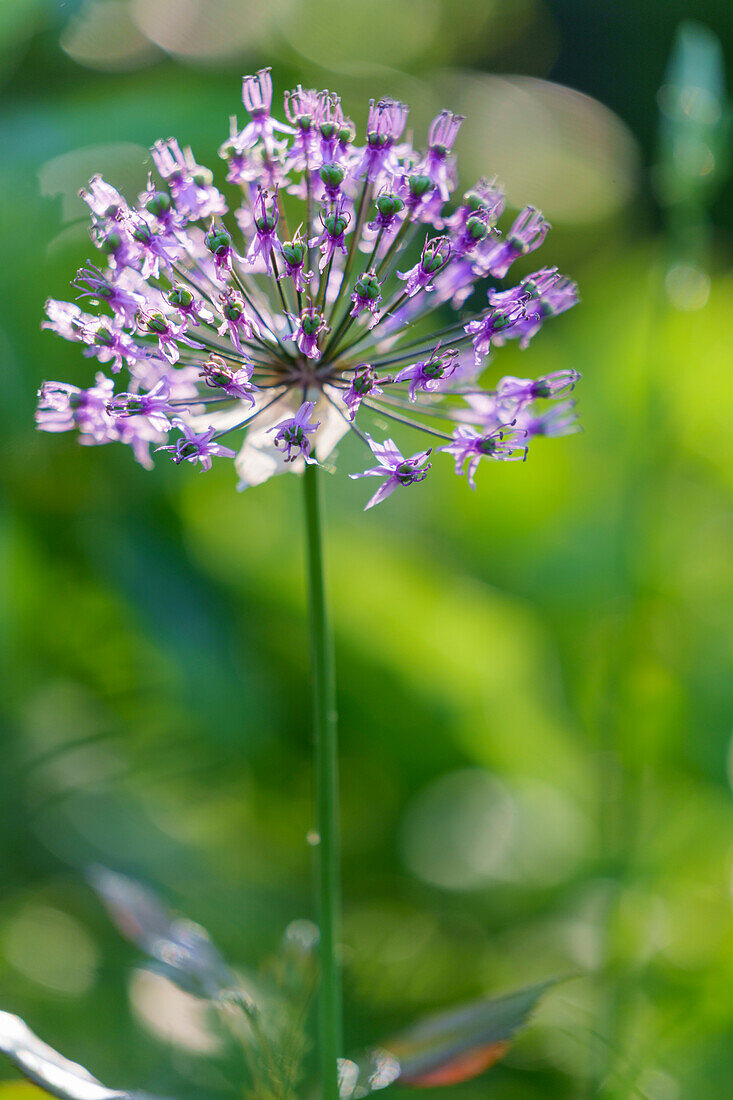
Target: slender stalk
327, 799
396, 241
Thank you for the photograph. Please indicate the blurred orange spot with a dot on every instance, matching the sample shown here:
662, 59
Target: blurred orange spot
462, 1068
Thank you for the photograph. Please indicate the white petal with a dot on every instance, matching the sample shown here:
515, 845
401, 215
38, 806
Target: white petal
259, 459
333, 427
221, 419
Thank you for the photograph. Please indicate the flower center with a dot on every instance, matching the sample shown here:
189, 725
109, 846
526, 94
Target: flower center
405, 473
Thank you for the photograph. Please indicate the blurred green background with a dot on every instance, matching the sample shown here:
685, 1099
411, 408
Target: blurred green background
533, 681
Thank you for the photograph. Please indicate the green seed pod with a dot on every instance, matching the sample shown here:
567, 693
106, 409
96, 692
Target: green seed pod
331, 174
367, 286
335, 224
420, 185
266, 223
111, 243
157, 323
433, 261
477, 228
389, 205
158, 204
218, 240
487, 446
179, 296
104, 336
294, 253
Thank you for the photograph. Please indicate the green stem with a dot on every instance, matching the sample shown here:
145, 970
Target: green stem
327, 799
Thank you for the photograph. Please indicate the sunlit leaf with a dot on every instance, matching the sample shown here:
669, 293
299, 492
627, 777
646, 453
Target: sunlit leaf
444, 1049
181, 950
19, 1090
47, 1068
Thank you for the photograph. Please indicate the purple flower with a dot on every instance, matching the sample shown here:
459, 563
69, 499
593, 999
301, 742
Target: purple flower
542, 294
301, 110
62, 407
95, 285
118, 244
168, 333
492, 325
179, 276
469, 446
190, 308
363, 383
137, 433
486, 197
515, 393
423, 198
308, 327
560, 419
154, 405
234, 383
389, 206
438, 164
367, 295
335, 222
105, 202
154, 250
292, 434
429, 374
257, 98
336, 132
265, 239
483, 409
435, 255
331, 176
196, 447
218, 240
111, 344
294, 256
561, 294
394, 468
475, 232
160, 209
236, 324
191, 184
67, 320
526, 234
387, 118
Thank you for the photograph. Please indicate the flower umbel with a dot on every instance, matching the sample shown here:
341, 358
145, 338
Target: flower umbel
283, 319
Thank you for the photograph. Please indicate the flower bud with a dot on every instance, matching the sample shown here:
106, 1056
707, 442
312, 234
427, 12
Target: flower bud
158, 204
218, 240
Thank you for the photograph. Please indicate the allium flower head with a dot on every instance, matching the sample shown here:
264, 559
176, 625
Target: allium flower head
321, 302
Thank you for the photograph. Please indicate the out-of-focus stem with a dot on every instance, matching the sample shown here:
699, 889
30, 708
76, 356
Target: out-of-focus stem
327, 795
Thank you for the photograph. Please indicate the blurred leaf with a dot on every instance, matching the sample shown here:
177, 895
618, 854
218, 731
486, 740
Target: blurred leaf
183, 951
49, 1069
447, 1048
695, 116
19, 1090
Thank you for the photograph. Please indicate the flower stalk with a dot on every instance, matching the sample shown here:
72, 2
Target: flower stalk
327, 844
